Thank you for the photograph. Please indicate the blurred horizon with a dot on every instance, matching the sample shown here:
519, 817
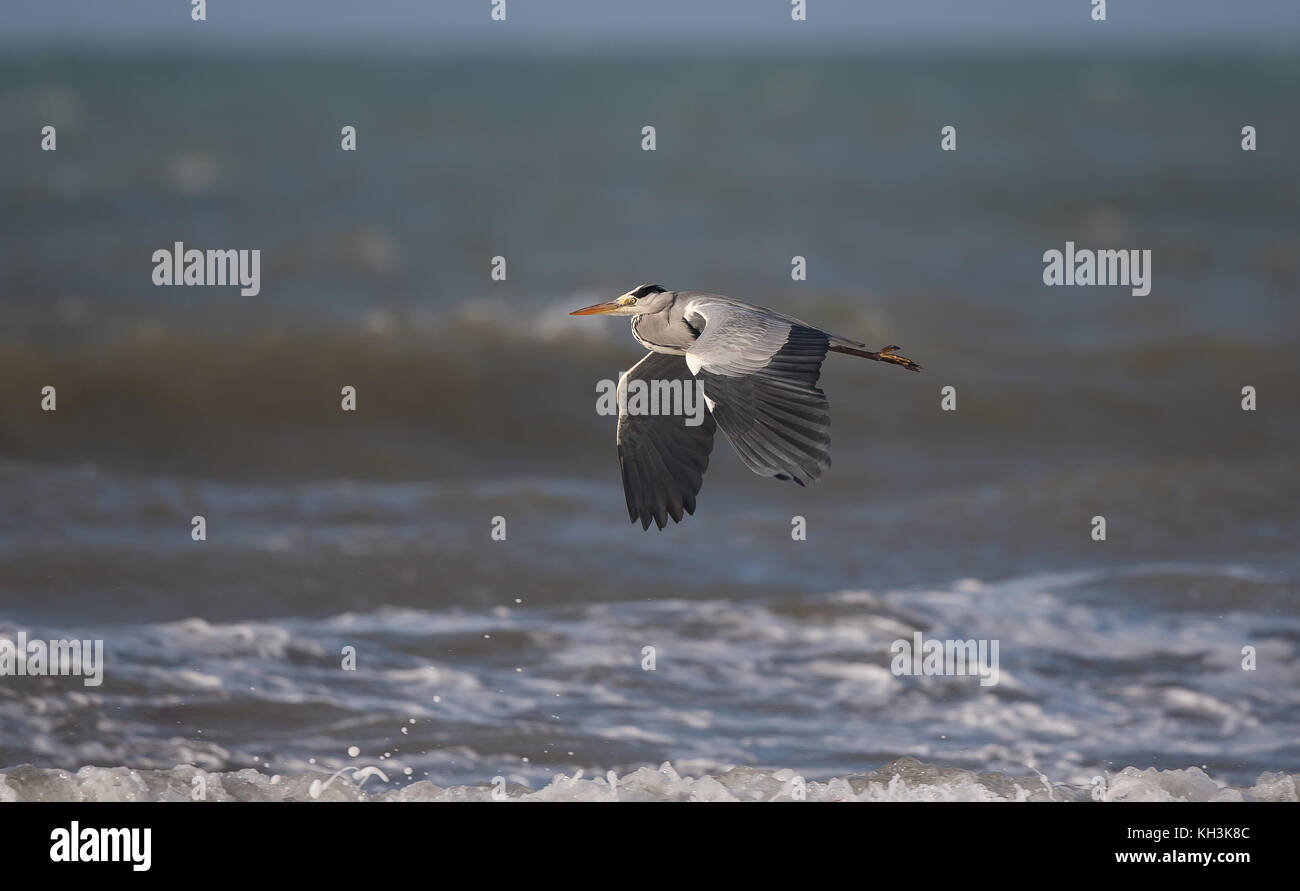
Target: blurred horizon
569, 25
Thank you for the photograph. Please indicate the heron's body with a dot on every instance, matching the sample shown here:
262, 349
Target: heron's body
759, 371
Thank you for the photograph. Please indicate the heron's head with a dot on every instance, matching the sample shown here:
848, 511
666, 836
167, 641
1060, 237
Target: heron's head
636, 302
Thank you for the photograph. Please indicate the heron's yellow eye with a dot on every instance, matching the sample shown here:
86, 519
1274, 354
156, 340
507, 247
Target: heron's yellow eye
627, 301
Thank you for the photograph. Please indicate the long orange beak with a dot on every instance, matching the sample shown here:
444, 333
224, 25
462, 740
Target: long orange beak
595, 308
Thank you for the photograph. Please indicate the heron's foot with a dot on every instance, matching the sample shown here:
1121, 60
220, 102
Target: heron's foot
888, 354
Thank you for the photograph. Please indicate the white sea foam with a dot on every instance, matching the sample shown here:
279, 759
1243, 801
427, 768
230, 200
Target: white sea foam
1087, 686
903, 780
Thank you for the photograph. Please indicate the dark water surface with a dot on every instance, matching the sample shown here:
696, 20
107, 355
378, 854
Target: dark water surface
476, 399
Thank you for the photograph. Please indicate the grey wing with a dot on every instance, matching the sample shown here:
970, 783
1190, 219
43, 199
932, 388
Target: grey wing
760, 372
662, 458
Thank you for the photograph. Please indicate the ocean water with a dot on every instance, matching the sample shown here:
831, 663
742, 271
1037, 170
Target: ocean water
522, 658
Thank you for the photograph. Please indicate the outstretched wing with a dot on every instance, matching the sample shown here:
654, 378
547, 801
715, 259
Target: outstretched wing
760, 371
662, 458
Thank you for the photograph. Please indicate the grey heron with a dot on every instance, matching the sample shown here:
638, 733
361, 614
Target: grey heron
759, 371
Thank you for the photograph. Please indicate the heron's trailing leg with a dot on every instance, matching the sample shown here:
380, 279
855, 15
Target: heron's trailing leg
886, 354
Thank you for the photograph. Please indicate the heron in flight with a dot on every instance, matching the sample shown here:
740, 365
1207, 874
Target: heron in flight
759, 373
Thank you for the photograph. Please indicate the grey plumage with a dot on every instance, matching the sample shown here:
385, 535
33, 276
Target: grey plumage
759, 370
661, 457
776, 417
